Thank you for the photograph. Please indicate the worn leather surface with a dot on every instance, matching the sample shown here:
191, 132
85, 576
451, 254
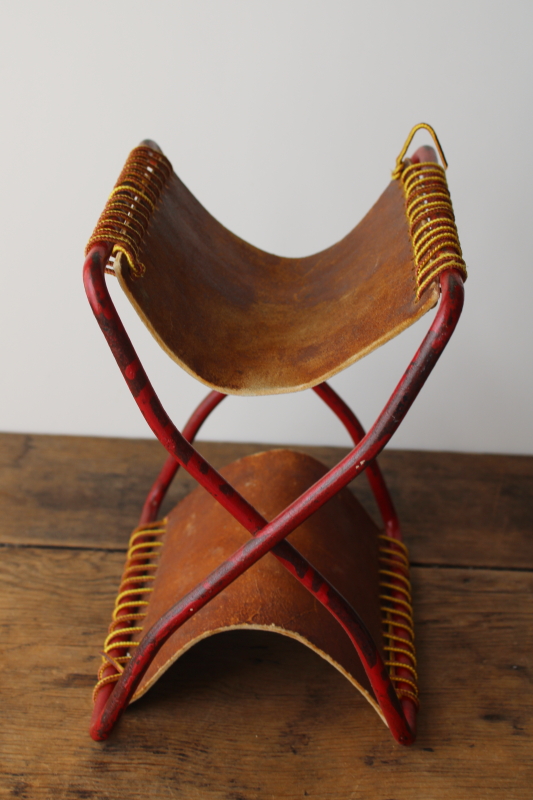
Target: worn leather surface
340, 540
247, 322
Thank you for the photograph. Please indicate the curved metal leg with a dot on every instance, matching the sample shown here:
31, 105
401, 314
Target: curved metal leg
160, 487
392, 529
372, 471
273, 533
338, 406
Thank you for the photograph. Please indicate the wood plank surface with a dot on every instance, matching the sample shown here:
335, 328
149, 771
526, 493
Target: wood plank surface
252, 715
456, 509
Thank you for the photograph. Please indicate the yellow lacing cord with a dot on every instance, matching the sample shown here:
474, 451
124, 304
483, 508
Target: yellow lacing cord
126, 216
397, 616
430, 215
129, 608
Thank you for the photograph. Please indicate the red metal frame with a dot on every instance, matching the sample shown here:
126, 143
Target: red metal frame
266, 536
373, 473
158, 491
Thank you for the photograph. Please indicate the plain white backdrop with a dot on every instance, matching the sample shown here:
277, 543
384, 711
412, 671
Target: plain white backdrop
284, 118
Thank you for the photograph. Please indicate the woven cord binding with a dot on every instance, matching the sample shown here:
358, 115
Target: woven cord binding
126, 216
132, 599
397, 617
429, 211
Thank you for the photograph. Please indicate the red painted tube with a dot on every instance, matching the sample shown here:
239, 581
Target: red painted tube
146, 398
372, 471
388, 515
338, 406
171, 466
153, 502
249, 517
356, 431
410, 379
274, 532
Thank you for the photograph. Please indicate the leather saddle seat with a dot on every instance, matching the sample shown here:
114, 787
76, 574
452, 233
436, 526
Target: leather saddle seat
340, 536
246, 322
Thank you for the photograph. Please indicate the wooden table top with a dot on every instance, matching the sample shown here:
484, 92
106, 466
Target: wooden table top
253, 715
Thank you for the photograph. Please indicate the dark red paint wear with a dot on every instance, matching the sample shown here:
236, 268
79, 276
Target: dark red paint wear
267, 536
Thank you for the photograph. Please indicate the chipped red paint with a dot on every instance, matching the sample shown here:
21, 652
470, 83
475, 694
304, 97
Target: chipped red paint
373, 473
112, 700
171, 466
390, 522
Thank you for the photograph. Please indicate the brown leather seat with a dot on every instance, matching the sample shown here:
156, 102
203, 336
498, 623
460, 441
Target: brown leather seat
247, 322
199, 534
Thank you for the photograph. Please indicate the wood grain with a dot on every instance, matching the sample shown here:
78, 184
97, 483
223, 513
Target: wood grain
456, 509
246, 716
253, 715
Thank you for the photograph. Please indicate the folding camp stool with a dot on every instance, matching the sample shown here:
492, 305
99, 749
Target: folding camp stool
249, 323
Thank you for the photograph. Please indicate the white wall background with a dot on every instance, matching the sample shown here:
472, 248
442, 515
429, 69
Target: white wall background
284, 118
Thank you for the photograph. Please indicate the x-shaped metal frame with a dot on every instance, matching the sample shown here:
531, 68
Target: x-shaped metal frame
112, 700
